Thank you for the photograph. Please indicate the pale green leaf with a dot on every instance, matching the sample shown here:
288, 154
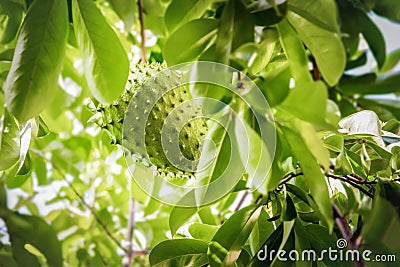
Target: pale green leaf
105, 61
9, 141
32, 81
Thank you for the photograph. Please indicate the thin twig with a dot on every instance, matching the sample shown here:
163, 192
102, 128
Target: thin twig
142, 29
239, 205
92, 211
131, 225
351, 182
289, 177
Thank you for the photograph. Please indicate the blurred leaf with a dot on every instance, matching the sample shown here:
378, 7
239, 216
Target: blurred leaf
14, 12
126, 10
179, 252
266, 13
261, 231
181, 11
24, 229
179, 216
189, 41
105, 61
370, 84
325, 46
388, 8
9, 141
38, 59
6, 257
391, 61
232, 236
322, 13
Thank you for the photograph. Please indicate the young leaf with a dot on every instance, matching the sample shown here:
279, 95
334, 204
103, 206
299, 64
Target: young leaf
32, 81
179, 252
189, 41
9, 141
325, 46
105, 62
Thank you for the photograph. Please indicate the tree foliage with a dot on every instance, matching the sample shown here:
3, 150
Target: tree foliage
67, 197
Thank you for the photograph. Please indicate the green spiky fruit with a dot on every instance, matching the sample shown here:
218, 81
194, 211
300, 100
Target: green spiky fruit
155, 115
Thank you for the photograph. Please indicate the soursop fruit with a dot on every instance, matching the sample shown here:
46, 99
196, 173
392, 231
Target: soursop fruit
155, 115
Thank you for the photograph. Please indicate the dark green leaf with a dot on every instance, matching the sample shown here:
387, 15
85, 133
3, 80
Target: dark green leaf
23, 230
189, 41
105, 62
13, 11
38, 59
232, 236
179, 252
388, 8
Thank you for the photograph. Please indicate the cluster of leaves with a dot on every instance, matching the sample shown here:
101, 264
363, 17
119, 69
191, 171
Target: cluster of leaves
335, 171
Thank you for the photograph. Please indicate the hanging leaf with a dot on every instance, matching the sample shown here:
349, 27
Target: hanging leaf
9, 141
126, 10
32, 81
105, 62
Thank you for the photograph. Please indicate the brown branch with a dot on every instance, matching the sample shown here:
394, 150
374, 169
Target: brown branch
142, 29
289, 177
92, 211
239, 205
351, 182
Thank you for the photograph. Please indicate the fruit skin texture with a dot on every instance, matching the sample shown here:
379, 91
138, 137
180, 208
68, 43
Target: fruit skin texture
158, 113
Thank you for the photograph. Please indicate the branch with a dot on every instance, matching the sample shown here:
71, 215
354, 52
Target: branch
351, 182
92, 211
131, 224
142, 29
289, 177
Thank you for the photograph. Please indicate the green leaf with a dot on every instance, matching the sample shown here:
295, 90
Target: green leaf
179, 216
232, 236
37, 59
126, 10
9, 141
391, 61
13, 11
235, 28
370, 84
179, 252
181, 11
321, 12
313, 95
315, 179
288, 209
261, 231
203, 232
295, 53
105, 62
189, 41
388, 8
325, 46
24, 229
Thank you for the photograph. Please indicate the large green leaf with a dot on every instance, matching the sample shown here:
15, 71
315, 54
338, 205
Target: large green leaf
320, 12
228, 242
179, 252
315, 179
370, 84
325, 46
181, 11
32, 81
30, 230
13, 11
189, 41
313, 95
9, 141
295, 53
105, 62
